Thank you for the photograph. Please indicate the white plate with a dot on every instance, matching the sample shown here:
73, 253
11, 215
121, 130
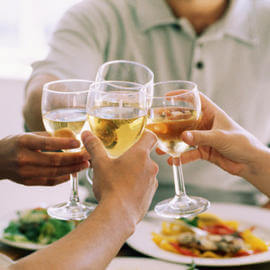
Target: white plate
131, 263
247, 216
5, 260
4, 221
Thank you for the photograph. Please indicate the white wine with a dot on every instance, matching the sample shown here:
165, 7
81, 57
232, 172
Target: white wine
117, 128
168, 124
65, 122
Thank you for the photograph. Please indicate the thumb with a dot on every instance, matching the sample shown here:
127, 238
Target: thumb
146, 142
93, 146
210, 138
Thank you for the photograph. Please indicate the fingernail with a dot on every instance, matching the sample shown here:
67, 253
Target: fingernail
189, 136
75, 144
86, 165
85, 134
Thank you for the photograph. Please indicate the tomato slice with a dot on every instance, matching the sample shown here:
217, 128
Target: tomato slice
242, 253
219, 229
183, 251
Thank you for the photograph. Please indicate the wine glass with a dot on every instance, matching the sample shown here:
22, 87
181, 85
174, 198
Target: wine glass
129, 71
64, 115
117, 113
176, 107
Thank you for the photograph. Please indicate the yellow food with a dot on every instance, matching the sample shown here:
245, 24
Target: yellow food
224, 240
255, 243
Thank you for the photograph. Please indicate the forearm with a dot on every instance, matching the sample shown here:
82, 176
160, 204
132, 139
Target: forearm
259, 171
91, 246
32, 106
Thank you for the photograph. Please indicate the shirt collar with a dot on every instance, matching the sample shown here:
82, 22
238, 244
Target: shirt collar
238, 22
152, 13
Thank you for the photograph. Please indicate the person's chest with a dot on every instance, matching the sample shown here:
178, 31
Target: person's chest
233, 74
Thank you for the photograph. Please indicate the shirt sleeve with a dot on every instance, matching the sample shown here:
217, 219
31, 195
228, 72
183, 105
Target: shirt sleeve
78, 45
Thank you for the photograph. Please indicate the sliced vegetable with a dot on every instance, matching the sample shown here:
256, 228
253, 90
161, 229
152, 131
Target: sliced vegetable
219, 229
184, 251
192, 222
224, 239
255, 243
36, 226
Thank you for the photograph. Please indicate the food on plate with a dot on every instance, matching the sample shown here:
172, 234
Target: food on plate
218, 238
36, 226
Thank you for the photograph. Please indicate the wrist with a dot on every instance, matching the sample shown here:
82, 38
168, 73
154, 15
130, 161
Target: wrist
117, 209
259, 166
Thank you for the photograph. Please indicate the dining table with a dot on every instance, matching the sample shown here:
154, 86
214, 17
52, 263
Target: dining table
20, 198
126, 251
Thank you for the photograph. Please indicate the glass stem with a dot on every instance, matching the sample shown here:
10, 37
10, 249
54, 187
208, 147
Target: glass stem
74, 196
178, 177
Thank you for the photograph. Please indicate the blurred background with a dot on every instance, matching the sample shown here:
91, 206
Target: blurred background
25, 29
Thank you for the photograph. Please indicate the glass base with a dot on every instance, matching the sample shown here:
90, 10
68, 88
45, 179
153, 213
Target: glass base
71, 211
181, 207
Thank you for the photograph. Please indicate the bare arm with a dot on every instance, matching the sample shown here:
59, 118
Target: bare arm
124, 188
259, 175
223, 142
32, 106
91, 246
76, 51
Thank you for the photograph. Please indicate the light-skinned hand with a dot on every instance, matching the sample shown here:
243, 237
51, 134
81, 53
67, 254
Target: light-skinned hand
129, 179
220, 140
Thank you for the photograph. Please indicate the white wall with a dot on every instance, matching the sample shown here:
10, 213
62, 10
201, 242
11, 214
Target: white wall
11, 101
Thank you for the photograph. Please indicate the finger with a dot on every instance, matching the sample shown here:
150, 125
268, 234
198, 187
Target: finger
190, 156
177, 92
159, 151
42, 133
33, 171
147, 141
45, 181
186, 157
36, 142
208, 113
51, 159
84, 151
93, 146
208, 104
61, 159
173, 161
181, 94
203, 138
57, 180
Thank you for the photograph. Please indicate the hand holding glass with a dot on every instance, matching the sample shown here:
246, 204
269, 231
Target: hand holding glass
64, 115
125, 71
176, 107
117, 114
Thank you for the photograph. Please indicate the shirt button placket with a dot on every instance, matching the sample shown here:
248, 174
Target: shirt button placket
198, 65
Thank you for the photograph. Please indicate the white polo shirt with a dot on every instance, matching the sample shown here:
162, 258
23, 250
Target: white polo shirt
230, 62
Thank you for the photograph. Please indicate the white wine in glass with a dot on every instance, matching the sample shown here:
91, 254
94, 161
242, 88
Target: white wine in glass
175, 108
65, 122
124, 71
64, 115
169, 130
117, 114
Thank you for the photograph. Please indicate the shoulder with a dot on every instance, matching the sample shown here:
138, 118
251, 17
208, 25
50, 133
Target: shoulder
261, 18
262, 13
101, 7
97, 14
